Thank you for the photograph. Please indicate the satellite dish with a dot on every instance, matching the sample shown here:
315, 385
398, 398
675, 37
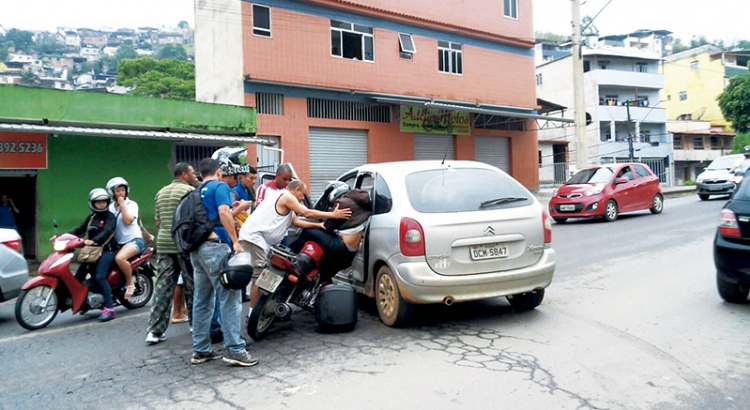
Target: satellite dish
698, 114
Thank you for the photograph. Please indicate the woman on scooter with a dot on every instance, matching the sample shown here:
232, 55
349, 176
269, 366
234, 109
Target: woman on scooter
100, 228
128, 232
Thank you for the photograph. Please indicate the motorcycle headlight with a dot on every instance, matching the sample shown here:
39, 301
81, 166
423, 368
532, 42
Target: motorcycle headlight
60, 245
595, 190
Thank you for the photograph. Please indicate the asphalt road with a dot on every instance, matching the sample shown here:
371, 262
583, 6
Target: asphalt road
632, 320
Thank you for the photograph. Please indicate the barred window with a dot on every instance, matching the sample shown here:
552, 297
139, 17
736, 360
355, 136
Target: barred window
268, 103
347, 110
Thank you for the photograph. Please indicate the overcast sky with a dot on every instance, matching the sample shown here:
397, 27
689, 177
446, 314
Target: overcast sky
716, 19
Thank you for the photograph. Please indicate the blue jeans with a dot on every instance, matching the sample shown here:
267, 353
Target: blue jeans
206, 260
103, 266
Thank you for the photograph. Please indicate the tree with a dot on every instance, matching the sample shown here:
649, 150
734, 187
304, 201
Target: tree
125, 52
171, 78
47, 43
734, 103
550, 37
176, 51
739, 142
21, 39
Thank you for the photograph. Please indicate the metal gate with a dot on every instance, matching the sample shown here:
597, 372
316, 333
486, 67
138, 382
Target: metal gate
656, 165
493, 151
333, 152
268, 157
433, 146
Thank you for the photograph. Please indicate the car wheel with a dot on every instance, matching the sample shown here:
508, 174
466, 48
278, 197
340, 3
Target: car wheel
610, 211
526, 301
732, 292
657, 204
560, 220
392, 308
703, 197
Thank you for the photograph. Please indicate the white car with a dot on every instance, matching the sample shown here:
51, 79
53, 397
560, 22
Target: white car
445, 232
717, 178
14, 271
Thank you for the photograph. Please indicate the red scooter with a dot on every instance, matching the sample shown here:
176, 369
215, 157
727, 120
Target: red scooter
57, 289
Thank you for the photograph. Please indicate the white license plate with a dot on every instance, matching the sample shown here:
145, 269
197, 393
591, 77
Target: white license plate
715, 188
269, 280
490, 251
567, 207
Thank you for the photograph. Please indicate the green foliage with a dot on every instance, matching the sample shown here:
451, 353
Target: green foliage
677, 46
739, 142
47, 43
125, 52
176, 51
734, 103
20, 39
172, 78
3, 51
550, 37
689, 183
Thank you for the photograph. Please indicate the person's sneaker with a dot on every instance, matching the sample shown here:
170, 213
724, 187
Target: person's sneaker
107, 315
200, 357
240, 359
152, 338
217, 337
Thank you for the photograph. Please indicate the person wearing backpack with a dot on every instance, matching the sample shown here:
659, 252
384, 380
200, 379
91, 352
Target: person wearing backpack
170, 263
207, 262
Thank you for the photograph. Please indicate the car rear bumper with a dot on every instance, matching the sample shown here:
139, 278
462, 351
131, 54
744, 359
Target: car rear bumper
730, 259
420, 284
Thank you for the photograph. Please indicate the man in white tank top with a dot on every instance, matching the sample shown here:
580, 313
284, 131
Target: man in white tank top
268, 224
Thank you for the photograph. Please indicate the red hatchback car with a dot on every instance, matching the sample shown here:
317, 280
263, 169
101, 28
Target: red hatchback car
607, 191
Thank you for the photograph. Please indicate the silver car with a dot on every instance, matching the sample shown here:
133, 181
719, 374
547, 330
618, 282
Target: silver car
14, 271
446, 232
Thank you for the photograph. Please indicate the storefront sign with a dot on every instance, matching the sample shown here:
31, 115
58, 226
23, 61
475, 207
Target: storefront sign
20, 150
434, 121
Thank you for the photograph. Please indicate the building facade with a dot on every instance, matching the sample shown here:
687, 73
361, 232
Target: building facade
341, 83
623, 112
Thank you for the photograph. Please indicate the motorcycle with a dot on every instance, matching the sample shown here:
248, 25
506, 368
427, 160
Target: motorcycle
294, 279
56, 289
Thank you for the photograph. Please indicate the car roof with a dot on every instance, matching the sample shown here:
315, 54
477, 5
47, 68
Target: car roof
619, 164
402, 167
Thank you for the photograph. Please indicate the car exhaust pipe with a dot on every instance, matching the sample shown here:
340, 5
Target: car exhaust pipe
282, 310
448, 301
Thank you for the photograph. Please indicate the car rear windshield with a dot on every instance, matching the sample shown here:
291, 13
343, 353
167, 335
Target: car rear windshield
724, 163
743, 191
591, 176
464, 189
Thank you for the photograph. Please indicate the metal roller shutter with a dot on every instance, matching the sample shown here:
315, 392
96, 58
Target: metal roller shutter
333, 152
493, 151
432, 146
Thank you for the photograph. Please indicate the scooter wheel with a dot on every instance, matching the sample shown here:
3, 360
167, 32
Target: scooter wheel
36, 307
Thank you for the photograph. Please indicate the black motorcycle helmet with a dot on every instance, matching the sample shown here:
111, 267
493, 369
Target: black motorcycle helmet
237, 272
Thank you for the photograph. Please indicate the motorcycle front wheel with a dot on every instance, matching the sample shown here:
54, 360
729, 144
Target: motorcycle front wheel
263, 315
36, 307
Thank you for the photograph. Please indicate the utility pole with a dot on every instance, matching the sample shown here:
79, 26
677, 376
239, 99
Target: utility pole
631, 156
579, 105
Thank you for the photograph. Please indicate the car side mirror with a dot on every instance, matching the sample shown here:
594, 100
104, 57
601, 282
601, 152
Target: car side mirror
621, 180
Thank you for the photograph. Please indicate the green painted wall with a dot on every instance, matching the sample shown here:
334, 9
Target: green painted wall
77, 164
18, 102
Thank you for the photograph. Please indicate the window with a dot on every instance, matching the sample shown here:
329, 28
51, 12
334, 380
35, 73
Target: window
677, 142
641, 171
406, 46
645, 135
450, 58
539, 79
693, 66
261, 20
540, 158
603, 64
698, 143
611, 99
641, 67
683, 95
510, 9
716, 143
268, 103
352, 41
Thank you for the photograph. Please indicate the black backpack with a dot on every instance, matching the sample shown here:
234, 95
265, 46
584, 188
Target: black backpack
191, 225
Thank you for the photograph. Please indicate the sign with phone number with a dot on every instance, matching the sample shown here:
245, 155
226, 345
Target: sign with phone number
19, 150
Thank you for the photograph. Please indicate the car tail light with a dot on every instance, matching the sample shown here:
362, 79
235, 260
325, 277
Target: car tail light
411, 238
547, 225
728, 224
14, 244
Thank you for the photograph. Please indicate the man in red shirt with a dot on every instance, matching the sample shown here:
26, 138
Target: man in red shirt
283, 177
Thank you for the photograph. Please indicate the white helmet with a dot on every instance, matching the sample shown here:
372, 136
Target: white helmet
98, 194
116, 182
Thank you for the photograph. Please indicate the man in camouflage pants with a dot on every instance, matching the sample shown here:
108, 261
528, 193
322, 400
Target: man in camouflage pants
169, 262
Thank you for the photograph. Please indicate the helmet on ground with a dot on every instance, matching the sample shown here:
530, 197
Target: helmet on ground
96, 195
117, 182
746, 150
237, 271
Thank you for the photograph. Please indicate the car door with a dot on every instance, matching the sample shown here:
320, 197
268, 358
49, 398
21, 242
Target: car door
623, 193
646, 186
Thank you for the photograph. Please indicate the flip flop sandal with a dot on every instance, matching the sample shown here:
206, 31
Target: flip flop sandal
129, 291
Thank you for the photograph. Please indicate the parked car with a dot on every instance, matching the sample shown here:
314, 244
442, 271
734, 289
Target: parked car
447, 232
717, 178
14, 271
606, 191
732, 247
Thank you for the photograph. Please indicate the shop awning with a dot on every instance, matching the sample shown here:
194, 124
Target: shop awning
131, 133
